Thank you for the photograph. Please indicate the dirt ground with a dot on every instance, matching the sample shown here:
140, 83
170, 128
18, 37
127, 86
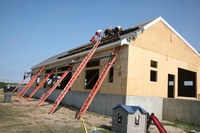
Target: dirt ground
28, 117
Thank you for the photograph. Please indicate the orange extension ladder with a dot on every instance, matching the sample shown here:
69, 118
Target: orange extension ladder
25, 89
41, 83
74, 77
20, 83
98, 84
49, 91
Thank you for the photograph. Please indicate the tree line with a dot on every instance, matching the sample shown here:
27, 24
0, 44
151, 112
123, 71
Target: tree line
2, 84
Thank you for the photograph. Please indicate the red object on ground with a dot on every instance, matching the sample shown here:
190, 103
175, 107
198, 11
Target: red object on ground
157, 123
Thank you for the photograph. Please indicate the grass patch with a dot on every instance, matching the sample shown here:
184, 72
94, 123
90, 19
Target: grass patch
12, 118
7, 113
185, 126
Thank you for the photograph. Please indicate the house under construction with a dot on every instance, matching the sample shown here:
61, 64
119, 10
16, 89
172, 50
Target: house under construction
148, 65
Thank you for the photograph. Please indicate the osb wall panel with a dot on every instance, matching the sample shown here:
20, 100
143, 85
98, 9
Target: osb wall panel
160, 44
118, 86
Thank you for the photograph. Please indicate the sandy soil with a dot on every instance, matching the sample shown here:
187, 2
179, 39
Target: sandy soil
64, 116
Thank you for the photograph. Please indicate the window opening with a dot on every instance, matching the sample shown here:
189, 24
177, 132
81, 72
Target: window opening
119, 118
64, 82
91, 78
57, 78
171, 85
49, 81
48, 71
137, 120
38, 80
186, 83
153, 75
154, 64
111, 73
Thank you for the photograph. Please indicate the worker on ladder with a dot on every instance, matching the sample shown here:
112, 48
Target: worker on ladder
94, 39
99, 34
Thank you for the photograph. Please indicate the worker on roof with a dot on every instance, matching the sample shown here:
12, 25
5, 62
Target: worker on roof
117, 30
94, 38
100, 33
108, 32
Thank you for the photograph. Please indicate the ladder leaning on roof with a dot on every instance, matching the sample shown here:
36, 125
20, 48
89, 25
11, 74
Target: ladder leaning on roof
41, 83
97, 84
25, 89
74, 77
20, 83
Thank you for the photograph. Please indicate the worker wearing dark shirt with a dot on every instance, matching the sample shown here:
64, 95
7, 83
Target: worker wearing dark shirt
117, 30
108, 32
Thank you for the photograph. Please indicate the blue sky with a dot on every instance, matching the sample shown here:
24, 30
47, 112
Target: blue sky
34, 30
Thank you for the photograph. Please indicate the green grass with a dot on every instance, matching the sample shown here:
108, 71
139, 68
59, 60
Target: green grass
184, 126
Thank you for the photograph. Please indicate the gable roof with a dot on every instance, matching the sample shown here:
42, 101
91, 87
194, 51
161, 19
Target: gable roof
173, 30
131, 109
106, 43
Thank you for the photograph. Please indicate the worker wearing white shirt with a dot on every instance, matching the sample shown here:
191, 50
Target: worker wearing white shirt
100, 33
